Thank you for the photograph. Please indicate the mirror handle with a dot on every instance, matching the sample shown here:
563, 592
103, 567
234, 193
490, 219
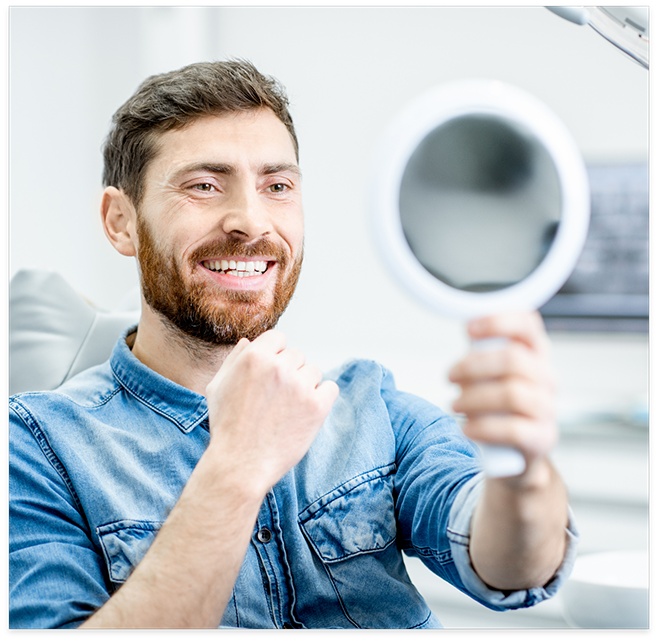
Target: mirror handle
498, 460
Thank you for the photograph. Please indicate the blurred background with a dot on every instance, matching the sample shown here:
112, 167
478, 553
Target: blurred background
349, 71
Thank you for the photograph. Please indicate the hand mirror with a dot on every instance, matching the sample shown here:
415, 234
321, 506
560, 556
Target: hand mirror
480, 205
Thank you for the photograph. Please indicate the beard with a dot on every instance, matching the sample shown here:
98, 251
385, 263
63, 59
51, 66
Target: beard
213, 315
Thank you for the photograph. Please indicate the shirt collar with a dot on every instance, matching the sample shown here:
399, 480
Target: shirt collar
182, 406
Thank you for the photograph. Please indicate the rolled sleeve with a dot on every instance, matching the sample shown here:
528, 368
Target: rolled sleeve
459, 524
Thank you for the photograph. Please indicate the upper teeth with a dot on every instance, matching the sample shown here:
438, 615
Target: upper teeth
237, 268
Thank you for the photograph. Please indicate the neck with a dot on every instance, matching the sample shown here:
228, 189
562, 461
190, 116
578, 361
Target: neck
166, 350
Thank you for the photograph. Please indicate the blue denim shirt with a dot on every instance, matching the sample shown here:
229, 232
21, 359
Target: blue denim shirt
96, 466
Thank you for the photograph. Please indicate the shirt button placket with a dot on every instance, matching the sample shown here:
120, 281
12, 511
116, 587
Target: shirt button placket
264, 539
268, 543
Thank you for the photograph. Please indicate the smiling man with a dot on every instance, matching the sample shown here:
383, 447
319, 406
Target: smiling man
218, 232
207, 475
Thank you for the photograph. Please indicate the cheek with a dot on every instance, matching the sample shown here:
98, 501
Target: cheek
159, 251
294, 236
298, 246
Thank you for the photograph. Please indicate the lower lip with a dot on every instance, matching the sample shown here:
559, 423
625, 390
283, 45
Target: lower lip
243, 283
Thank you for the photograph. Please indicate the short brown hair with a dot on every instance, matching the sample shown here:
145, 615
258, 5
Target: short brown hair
171, 101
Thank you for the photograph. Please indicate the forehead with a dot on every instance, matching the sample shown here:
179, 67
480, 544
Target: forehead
256, 135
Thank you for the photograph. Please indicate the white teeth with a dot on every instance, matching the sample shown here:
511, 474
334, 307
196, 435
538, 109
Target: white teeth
240, 268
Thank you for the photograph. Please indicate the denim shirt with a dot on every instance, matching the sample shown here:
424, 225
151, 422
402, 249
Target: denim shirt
96, 466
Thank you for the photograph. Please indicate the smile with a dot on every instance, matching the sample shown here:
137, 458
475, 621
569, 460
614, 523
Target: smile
240, 268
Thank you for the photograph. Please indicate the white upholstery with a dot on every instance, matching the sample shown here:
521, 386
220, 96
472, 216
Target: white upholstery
54, 333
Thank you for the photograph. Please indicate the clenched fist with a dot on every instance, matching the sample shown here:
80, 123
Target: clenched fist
266, 406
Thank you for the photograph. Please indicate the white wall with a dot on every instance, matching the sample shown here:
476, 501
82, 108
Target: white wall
348, 71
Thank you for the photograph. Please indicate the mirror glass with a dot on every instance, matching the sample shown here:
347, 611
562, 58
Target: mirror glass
480, 202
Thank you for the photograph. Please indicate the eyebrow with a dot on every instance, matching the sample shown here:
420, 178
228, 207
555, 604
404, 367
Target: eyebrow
230, 170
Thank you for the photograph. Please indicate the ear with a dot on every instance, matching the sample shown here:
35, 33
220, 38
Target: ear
119, 221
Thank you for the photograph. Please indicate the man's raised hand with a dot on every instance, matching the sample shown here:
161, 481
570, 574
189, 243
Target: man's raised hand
266, 406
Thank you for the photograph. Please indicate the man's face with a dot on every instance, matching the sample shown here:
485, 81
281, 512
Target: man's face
220, 227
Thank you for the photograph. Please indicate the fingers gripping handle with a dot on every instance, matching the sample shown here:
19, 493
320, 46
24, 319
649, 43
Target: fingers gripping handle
498, 460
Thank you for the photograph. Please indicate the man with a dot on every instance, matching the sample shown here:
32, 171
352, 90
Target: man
206, 475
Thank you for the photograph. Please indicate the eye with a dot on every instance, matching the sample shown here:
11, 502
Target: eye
203, 187
278, 188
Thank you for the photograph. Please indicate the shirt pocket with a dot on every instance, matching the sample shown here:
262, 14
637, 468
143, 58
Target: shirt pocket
353, 531
124, 544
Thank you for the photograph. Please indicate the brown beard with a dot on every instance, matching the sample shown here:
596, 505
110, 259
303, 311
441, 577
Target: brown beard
199, 312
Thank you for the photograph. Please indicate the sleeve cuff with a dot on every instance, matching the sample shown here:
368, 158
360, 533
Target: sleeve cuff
459, 536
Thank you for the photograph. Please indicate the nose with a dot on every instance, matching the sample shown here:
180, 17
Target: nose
246, 215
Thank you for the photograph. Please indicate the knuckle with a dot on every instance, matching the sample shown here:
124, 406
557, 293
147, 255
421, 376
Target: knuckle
314, 371
317, 406
335, 390
520, 360
519, 431
516, 357
252, 357
527, 400
548, 406
512, 394
280, 371
551, 379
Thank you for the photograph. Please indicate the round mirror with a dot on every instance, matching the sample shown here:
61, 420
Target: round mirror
480, 205
480, 200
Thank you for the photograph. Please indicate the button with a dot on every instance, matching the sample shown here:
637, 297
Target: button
264, 535
288, 626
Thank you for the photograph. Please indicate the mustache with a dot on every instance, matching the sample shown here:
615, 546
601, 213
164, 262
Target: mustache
236, 247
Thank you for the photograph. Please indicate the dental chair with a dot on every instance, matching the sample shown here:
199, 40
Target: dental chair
54, 333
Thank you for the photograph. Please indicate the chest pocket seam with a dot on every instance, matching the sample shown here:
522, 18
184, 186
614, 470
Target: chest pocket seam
337, 530
124, 544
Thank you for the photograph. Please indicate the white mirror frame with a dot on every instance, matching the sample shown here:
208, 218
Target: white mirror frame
392, 156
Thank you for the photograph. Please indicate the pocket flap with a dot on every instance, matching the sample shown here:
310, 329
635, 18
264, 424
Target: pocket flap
124, 545
356, 518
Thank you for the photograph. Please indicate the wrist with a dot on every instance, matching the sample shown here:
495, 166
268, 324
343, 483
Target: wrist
229, 475
530, 494
538, 475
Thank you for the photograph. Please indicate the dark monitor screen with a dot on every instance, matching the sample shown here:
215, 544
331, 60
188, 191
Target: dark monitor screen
609, 288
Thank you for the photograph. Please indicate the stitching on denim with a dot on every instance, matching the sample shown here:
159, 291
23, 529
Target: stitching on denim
340, 599
458, 537
442, 557
32, 424
103, 401
156, 409
413, 627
